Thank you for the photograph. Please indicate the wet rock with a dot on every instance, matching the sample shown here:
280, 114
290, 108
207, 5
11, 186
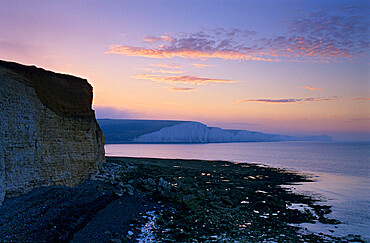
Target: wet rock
115, 240
150, 182
135, 221
132, 181
227, 201
164, 188
277, 204
129, 189
119, 192
203, 206
122, 189
190, 202
146, 185
328, 221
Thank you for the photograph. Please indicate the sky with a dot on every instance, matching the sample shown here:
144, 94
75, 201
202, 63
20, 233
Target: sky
289, 67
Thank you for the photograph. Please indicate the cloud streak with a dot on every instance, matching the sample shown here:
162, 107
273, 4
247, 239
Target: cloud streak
339, 36
277, 101
163, 71
181, 89
184, 53
284, 101
201, 65
167, 65
193, 80
359, 99
301, 100
312, 88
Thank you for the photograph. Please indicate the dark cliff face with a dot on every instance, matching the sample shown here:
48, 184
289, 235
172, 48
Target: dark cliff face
64, 94
48, 131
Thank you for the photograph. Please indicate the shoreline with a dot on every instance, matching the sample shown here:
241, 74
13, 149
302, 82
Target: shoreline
263, 200
185, 143
191, 200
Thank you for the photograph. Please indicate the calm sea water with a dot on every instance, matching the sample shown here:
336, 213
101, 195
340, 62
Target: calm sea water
340, 169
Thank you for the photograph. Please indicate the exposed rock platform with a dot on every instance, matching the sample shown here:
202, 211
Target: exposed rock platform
192, 201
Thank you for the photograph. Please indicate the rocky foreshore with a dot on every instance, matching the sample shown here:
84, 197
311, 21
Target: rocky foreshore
169, 201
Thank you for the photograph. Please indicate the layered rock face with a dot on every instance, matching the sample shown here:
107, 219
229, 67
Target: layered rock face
48, 131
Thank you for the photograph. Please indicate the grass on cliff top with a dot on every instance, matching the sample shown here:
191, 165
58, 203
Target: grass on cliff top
220, 201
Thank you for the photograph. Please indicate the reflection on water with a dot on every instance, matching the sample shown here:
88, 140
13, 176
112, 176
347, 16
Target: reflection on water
349, 197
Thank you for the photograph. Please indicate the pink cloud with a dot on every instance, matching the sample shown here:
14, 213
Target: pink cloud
163, 71
315, 37
301, 100
181, 89
201, 65
183, 79
184, 53
166, 65
311, 88
359, 99
273, 101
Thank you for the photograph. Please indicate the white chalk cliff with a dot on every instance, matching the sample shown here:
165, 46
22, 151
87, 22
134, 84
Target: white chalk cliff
196, 132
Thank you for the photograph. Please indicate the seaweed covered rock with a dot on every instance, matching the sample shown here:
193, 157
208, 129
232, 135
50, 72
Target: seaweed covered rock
48, 131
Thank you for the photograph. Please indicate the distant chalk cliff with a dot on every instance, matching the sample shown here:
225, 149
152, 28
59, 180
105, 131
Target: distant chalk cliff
48, 131
157, 131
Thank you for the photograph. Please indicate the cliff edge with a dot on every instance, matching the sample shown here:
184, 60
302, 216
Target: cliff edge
48, 131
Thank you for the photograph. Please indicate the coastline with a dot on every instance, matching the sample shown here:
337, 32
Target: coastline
192, 200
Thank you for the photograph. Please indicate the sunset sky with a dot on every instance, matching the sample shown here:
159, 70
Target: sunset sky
291, 67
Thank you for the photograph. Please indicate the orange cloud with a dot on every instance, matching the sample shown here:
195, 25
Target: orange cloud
184, 53
200, 65
163, 71
311, 88
181, 89
307, 39
135, 51
166, 65
183, 79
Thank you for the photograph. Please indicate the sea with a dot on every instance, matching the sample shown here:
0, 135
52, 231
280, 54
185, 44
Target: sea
340, 171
